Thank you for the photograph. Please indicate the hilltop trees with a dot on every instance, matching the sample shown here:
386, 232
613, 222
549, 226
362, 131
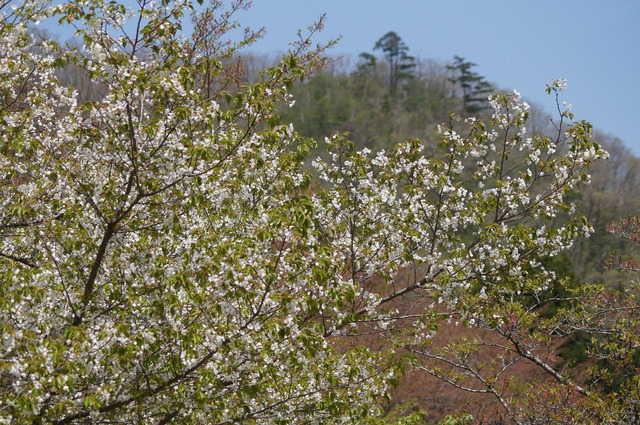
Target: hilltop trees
395, 52
473, 86
164, 258
360, 100
387, 97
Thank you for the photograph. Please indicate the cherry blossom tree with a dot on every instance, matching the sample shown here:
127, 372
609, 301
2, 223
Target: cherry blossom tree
157, 258
165, 259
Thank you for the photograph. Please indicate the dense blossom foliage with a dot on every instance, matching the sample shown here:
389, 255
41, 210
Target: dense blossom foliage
165, 259
157, 263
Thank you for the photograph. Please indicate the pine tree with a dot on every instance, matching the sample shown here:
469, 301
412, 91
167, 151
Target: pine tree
474, 87
400, 63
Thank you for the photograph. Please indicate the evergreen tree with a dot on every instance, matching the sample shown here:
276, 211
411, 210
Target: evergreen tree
400, 63
474, 87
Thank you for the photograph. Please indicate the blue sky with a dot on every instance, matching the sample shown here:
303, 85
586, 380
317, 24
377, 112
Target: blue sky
517, 44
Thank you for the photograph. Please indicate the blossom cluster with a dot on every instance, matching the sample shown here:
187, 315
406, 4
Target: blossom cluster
475, 216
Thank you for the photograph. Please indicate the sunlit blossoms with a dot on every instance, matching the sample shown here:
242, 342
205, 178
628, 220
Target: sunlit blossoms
466, 217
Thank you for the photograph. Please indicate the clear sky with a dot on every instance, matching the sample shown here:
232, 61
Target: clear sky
517, 44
